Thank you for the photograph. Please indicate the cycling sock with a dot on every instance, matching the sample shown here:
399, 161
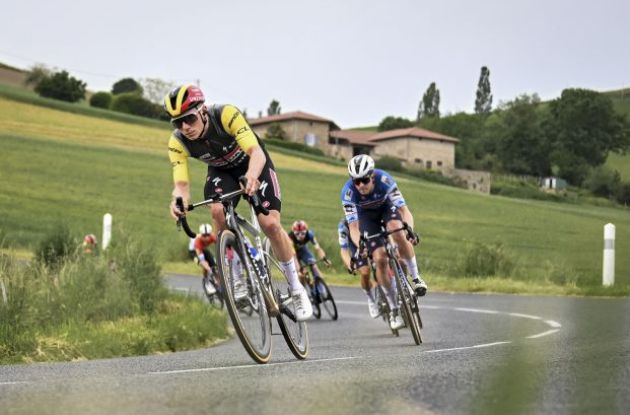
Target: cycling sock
370, 294
291, 273
390, 294
412, 266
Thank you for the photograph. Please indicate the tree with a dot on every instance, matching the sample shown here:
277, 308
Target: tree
61, 86
274, 108
132, 103
430, 105
275, 130
392, 123
483, 102
522, 146
37, 74
584, 127
154, 89
126, 85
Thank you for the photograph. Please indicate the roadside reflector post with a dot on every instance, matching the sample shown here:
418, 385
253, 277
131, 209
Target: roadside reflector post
608, 274
107, 230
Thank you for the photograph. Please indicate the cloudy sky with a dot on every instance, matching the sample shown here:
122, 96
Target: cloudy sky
353, 61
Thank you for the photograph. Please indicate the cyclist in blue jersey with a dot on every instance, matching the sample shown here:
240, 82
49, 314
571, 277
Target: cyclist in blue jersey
300, 235
371, 197
348, 251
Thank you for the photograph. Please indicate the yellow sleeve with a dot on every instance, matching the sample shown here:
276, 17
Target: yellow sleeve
179, 160
235, 124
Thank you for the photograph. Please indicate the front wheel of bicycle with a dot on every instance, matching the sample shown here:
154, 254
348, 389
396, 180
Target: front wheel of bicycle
326, 299
294, 332
243, 299
406, 299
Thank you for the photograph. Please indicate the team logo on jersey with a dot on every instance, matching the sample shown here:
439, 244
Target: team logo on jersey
263, 187
242, 130
266, 204
218, 190
216, 181
348, 195
385, 179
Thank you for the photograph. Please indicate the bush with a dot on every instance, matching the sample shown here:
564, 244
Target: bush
132, 103
293, 146
101, 100
602, 182
481, 260
389, 164
56, 247
61, 86
623, 193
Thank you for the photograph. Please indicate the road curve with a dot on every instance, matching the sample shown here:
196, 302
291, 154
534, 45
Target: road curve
482, 354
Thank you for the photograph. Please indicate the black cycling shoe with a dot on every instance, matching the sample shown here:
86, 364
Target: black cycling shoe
420, 287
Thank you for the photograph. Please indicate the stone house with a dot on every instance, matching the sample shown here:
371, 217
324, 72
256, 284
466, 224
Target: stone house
300, 127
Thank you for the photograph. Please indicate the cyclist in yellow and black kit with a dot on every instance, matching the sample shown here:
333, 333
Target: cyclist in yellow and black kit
219, 136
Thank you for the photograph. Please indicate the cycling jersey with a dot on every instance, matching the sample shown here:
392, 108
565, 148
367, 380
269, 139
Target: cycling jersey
201, 242
385, 192
224, 146
310, 237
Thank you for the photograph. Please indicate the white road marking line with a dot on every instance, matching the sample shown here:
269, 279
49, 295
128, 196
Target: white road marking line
554, 324
525, 316
210, 369
476, 310
477, 346
13, 383
535, 336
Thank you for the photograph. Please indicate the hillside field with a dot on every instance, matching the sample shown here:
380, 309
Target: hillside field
59, 166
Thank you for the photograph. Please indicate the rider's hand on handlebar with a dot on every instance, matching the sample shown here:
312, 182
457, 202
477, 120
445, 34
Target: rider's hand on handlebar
174, 210
327, 262
413, 237
251, 185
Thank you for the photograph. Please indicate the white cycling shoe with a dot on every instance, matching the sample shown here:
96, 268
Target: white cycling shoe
373, 308
396, 321
303, 307
240, 290
210, 290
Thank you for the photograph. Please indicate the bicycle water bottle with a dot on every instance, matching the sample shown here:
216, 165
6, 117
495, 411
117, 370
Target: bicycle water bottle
255, 255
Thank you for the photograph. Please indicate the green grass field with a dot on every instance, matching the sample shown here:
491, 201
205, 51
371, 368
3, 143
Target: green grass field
59, 166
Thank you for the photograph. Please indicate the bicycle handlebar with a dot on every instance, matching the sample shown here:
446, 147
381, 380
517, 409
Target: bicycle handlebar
254, 200
384, 233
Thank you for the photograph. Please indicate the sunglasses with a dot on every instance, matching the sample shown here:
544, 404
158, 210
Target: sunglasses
189, 119
362, 180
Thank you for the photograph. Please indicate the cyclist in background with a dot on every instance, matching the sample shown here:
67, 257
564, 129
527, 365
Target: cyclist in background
348, 254
90, 244
300, 235
219, 136
204, 257
371, 197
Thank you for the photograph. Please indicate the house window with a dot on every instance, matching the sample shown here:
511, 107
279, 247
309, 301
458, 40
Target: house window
419, 161
429, 164
439, 163
310, 140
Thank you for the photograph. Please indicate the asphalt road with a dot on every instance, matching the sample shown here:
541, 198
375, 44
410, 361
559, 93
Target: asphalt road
482, 354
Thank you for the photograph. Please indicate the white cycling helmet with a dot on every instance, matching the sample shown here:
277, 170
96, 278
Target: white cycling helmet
360, 166
205, 229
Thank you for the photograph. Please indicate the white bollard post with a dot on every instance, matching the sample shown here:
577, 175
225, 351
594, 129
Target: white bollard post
608, 274
107, 230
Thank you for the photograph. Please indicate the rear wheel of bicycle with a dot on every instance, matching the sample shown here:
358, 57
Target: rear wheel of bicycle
326, 298
243, 299
406, 298
294, 332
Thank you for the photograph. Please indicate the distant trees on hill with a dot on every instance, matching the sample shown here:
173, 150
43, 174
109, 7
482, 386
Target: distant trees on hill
483, 100
62, 86
429, 107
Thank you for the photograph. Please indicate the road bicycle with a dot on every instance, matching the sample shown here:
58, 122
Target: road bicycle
255, 289
319, 293
407, 300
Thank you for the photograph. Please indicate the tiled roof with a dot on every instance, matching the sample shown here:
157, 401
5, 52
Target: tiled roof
295, 115
354, 136
412, 132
